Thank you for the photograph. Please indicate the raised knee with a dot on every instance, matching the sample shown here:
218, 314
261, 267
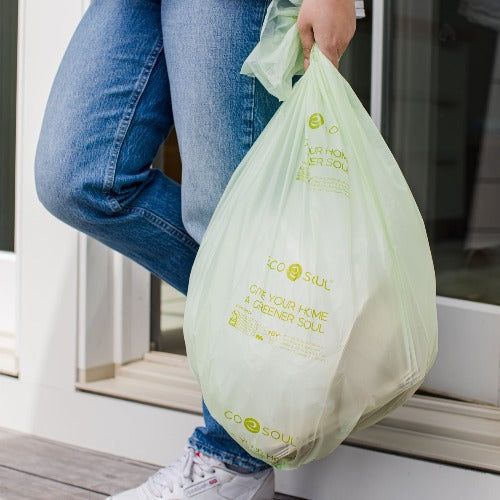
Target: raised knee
64, 192
52, 187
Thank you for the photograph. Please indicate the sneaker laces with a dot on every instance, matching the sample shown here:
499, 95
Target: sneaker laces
183, 471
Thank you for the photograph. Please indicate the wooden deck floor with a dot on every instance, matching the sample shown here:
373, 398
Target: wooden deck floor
32, 468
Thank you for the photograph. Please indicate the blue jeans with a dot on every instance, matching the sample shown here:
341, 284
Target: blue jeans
132, 69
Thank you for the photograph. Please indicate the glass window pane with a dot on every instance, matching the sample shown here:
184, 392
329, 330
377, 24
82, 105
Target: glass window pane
442, 122
8, 71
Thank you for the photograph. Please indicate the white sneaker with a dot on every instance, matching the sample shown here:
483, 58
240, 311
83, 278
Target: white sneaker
200, 477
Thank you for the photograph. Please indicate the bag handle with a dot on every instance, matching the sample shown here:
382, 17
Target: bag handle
278, 56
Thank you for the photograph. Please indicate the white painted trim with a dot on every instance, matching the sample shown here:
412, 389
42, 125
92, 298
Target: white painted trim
377, 62
8, 356
441, 430
467, 366
468, 305
113, 310
8, 292
132, 309
95, 304
352, 473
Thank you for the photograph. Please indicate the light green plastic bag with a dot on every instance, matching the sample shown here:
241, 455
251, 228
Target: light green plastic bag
311, 306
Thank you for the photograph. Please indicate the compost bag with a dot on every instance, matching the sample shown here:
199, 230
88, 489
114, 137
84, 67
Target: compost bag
311, 307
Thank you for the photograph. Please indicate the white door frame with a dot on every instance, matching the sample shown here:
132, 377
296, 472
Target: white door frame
8, 292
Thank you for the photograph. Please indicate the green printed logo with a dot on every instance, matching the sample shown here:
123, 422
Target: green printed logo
254, 427
303, 174
233, 320
251, 425
293, 272
316, 120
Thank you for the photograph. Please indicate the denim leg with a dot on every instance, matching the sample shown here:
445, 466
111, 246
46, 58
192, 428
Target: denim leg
218, 114
108, 112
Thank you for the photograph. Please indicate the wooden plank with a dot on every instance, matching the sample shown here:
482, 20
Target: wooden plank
80, 467
16, 485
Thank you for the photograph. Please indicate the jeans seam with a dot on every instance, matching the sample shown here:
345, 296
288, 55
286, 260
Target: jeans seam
254, 79
250, 110
230, 458
121, 132
163, 224
249, 105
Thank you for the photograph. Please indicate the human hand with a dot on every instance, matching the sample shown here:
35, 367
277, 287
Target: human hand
329, 23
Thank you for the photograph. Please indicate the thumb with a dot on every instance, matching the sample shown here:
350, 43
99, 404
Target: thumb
307, 41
